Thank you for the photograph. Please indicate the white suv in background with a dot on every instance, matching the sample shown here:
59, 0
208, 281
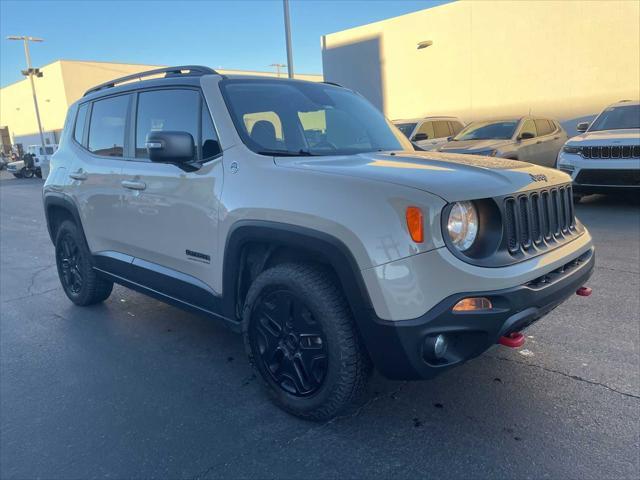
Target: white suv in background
430, 132
605, 157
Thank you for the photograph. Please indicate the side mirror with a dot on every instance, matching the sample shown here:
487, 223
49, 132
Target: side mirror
526, 135
420, 136
170, 147
582, 127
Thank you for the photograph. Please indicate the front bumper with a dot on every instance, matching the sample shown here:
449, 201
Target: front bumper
401, 353
602, 175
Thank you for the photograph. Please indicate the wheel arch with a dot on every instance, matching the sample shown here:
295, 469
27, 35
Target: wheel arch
272, 243
57, 208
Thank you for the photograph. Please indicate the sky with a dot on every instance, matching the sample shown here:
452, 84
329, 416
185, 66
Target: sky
241, 34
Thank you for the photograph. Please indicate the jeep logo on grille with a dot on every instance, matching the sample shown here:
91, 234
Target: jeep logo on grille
540, 177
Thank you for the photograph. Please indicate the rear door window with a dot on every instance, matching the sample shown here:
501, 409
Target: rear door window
441, 128
106, 131
427, 127
544, 127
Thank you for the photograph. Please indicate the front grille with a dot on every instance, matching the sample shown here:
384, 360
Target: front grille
535, 220
613, 178
611, 151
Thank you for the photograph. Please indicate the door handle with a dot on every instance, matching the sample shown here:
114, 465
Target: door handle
133, 185
79, 175
538, 142
556, 138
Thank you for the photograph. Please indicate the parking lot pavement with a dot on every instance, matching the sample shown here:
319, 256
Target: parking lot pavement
136, 388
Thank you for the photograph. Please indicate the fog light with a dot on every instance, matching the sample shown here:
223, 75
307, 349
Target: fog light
435, 347
472, 304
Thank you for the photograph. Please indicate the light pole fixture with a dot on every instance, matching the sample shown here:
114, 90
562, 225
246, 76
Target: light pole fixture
278, 66
31, 72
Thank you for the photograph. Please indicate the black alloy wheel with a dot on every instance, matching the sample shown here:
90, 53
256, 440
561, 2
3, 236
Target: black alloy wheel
290, 342
301, 339
69, 258
80, 281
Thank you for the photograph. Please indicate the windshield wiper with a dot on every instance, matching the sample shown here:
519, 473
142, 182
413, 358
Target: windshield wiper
286, 153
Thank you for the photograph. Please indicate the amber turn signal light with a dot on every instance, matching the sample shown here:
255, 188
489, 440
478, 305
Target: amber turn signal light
415, 224
472, 304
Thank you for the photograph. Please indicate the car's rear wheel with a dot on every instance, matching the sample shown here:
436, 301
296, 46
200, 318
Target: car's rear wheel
301, 339
80, 282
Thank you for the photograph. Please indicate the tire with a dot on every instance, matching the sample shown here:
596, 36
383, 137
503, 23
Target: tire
79, 281
310, 359
27, 172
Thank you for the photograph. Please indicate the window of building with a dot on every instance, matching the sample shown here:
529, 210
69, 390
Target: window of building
78, 133
166, 110
106, 130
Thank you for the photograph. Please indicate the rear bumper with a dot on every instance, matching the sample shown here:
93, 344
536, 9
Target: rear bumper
398, 347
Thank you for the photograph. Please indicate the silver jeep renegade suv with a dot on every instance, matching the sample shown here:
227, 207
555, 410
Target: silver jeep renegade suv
293, 212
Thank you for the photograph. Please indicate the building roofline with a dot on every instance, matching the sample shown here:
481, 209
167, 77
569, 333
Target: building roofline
448, 3
244, 72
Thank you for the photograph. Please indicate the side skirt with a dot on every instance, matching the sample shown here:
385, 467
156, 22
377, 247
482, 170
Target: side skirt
162, 284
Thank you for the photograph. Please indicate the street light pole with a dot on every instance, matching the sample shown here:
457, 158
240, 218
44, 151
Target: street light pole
30, 72
287, 32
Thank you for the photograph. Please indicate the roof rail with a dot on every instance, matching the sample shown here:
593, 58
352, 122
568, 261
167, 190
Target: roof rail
334, 84
192, 70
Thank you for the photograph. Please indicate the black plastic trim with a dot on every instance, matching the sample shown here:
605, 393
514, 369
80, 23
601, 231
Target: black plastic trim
57, 199
163, 283
471, 334
194, 70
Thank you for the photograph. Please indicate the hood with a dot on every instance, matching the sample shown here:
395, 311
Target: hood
17, 164
470, 146
452, 177
629, 136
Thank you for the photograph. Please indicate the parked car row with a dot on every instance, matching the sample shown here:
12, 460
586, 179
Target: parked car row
32, 162
604, 158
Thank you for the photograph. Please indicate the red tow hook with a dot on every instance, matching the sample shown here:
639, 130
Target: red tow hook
584, 291
513, 340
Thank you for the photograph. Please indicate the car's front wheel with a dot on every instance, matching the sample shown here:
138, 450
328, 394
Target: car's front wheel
301, 339
80, 282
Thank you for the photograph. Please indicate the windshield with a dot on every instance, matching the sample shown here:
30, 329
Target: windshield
501, 130
617, 118
285, 118
406, 128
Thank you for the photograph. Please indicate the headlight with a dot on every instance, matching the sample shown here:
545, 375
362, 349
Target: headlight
571, 149
462, 225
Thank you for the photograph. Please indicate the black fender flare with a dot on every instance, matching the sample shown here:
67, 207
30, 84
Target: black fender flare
330, 248
60, 200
